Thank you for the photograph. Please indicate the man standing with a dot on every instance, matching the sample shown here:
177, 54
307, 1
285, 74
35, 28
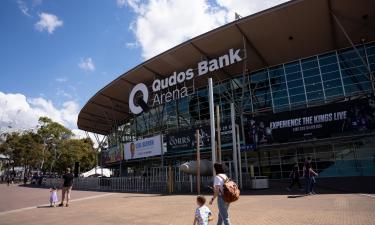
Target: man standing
67, 187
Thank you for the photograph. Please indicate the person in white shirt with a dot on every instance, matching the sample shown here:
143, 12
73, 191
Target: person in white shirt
218, 190
202, 213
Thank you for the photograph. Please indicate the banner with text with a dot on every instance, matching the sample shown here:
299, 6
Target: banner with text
315, 122
113, 154
184, 140
143, 148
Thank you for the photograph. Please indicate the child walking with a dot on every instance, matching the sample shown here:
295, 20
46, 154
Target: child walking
202, 213
53, 197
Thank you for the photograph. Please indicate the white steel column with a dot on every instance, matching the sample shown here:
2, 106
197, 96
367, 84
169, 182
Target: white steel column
212, 122
233, 119
239, 155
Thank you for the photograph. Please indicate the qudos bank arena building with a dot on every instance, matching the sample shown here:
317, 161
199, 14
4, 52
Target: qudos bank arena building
300, 75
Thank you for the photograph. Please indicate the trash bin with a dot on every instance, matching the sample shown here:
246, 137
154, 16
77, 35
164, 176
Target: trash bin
259, 182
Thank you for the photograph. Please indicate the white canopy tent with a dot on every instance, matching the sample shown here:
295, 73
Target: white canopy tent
97, 171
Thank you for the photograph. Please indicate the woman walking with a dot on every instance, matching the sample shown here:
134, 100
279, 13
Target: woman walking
218, 191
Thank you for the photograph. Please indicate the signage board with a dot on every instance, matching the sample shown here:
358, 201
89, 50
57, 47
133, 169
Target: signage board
184, 140
113, 154
143, 148
315, 122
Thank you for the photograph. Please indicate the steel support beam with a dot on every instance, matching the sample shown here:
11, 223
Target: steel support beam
342, 28
252, 46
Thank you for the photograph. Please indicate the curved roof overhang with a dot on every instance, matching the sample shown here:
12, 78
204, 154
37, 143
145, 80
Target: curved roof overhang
267, 35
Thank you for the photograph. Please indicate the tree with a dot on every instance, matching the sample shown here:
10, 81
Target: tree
76, 150
51, 148
52, 134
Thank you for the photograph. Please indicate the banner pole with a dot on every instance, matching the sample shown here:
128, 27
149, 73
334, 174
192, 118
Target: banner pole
212, 122
239, 155
198, 162
234, 139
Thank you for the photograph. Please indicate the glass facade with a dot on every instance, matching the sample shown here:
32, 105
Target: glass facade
303, 83
307, 82
329, 159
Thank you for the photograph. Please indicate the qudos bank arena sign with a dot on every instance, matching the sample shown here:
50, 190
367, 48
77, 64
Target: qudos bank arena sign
160, 87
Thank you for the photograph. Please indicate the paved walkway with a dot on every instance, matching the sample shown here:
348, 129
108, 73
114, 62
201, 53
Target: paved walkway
121, 208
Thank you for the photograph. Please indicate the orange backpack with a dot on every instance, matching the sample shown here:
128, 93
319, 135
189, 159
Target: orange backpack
231, 190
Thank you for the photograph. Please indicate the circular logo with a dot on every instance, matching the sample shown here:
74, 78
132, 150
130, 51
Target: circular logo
136, 109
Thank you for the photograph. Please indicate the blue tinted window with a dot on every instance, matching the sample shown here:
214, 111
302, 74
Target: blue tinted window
296, 91
331, 92
280, 94
293, 76
331, 75
292, 67
276, 71
297, 98
332, 83
329, 68
278, 87
313, 80
313, 87
355, 79
280, 101
295, 83
312, 96
309, 63
277, 80
311, 72
327, 59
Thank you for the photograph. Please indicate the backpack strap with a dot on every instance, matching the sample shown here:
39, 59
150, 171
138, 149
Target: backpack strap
223, 178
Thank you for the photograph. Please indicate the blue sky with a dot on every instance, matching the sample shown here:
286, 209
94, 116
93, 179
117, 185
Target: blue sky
45, 64
55, 55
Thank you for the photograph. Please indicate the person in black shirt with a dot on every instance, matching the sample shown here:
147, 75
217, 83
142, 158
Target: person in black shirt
67, 187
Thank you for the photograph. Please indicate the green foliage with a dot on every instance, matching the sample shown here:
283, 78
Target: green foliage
50, 149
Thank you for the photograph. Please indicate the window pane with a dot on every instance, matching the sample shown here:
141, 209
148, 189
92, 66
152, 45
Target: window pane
296, 91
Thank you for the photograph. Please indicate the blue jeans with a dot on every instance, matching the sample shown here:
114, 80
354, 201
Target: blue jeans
309, 184
312, 183
223, 211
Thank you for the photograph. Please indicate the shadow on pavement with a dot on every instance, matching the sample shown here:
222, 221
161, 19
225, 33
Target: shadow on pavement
296, 196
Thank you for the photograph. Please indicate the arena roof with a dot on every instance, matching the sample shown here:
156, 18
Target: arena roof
286, 32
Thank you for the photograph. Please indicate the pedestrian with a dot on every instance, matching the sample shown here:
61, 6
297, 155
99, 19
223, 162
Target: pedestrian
309, 175
53, 199
8, 180
202, 214
218, 192
294, 176
66, 187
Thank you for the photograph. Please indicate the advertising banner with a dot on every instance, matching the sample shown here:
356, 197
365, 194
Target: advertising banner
143, 148
184, 140
315, 122
113, 154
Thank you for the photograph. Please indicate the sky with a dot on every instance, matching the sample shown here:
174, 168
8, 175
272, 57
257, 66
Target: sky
55, 55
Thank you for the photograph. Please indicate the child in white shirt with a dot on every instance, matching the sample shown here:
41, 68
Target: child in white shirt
202, 213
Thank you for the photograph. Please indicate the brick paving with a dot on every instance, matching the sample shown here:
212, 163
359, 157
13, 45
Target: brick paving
123, 208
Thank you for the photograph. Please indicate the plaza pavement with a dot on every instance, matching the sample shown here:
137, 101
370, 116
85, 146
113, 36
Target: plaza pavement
19, 205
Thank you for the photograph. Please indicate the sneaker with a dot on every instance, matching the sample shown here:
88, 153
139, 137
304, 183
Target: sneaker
67, 205
61, 205
313, 192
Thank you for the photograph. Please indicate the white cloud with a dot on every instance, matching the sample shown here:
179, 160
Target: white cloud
23, 7
20, 112
132, 45
61, 79
87, 64
48, 22
17, 113
120, 3
162, 24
